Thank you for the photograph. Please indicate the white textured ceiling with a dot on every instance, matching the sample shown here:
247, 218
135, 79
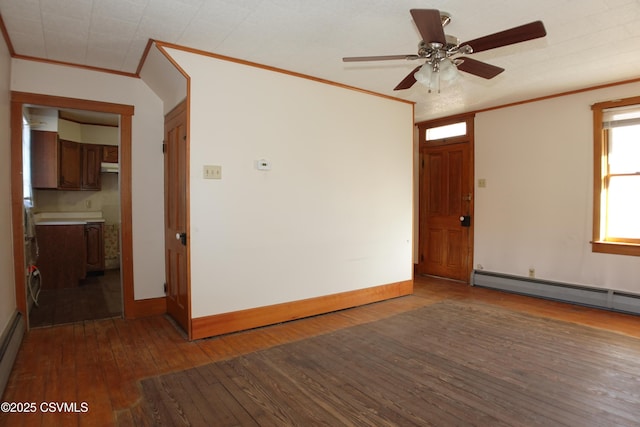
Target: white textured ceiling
589, 42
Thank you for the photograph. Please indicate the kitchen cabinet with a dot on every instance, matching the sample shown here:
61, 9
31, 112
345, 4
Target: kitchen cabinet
44, 159
62, 258
110, 153
70, 165
69, 252
90, 166
64, 165
94, 243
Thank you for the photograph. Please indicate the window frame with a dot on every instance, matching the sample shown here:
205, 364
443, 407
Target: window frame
600, 153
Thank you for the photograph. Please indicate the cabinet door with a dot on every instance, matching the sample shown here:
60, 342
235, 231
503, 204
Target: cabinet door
94, 239
91, 156
69, 165
62, 255
110, 153
44, 159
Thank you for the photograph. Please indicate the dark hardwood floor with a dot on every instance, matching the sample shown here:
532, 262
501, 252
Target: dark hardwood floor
96, 297
104, 362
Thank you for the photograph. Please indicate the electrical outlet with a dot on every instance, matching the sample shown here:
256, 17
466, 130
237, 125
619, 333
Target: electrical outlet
532, 272
212, 172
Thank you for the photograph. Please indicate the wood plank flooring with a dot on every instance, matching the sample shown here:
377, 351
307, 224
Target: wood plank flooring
102, 362
450, 363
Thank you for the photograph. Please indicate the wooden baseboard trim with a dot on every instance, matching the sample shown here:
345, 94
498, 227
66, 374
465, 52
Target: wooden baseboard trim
148, 307
218, 324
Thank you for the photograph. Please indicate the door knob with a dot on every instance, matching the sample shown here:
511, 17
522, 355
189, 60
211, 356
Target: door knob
182, 237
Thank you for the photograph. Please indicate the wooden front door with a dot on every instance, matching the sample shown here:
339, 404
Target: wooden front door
176, 238
446, 208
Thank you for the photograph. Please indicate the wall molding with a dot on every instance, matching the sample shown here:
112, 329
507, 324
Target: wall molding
148, 307
224, 323
162, 44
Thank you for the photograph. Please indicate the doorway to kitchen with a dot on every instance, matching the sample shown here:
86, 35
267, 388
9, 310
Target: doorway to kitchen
84, 235
72, 219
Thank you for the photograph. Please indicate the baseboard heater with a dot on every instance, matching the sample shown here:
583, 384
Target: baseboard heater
9, 346
593, 297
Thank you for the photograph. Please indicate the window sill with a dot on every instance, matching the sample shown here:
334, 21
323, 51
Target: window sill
616, 248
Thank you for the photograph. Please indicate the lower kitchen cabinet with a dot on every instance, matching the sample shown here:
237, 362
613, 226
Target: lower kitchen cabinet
67, 253
94, 240
61, 259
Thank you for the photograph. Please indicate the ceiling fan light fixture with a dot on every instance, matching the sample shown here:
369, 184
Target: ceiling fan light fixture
429, 75
424, 74
448, 71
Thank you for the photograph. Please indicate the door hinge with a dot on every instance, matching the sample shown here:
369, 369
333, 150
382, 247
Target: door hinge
164, 147
422, 163
165, 288
421, 258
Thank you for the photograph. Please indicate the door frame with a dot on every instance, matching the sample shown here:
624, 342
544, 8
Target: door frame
469, 138
18, 101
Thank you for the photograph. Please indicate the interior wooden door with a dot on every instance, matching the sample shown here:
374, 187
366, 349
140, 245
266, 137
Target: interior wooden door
176, 238
445, 211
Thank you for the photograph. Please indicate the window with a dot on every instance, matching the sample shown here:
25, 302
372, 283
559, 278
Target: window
446, 131
27, 192
616, 212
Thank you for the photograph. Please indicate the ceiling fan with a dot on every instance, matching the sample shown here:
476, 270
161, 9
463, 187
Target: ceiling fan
444, 54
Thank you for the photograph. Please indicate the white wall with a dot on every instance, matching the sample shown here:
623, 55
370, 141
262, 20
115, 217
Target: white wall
164, 78
147, 161
536, 210
335, 212
88, 134
7, 280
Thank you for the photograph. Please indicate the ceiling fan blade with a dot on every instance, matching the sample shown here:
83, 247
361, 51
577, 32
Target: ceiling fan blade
378, 58
429, 25
478, 68
408, 81
514, 35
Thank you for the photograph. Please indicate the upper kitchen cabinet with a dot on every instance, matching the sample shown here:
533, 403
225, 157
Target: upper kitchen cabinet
110, 153
70, 166
44, 159
64, 165
91, 157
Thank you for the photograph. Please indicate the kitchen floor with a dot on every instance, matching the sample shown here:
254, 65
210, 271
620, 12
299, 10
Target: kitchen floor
97, 297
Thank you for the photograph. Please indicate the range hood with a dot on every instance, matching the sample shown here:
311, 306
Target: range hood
109, 167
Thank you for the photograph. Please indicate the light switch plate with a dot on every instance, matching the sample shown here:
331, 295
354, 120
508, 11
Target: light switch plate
212, 172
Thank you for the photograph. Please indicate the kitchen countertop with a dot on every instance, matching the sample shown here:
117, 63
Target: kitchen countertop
67, 218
